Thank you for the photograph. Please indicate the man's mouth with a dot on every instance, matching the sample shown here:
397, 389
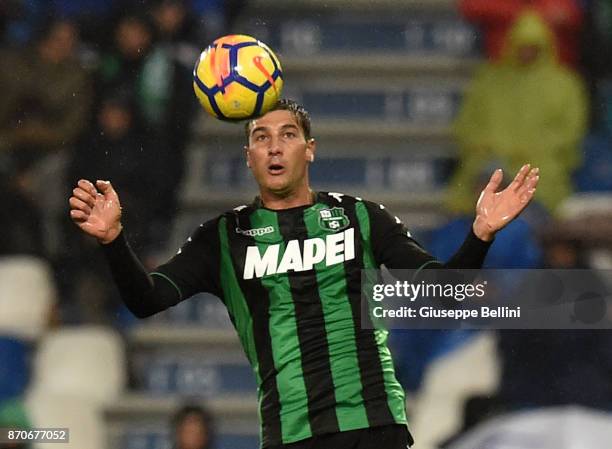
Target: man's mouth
276, 169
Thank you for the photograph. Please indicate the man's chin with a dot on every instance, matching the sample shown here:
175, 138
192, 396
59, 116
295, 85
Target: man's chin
279, 189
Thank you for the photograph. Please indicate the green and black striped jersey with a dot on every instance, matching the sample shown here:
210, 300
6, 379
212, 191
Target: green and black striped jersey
291, 280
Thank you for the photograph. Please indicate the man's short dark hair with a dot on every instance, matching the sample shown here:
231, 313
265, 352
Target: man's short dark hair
299, 112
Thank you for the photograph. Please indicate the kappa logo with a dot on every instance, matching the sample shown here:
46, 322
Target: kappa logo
333, 219
255, 232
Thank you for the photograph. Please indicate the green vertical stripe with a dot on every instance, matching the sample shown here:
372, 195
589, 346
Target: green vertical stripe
364, 225
291, 387
340, 329
395, 392
369, 264
235, 301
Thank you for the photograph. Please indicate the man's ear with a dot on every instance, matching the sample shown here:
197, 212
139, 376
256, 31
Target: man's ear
247, 155
311, 149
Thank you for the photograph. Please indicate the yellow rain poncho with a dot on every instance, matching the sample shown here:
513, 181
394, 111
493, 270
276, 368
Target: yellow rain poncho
515, 114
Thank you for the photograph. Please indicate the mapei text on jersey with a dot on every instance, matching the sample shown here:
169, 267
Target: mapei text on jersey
333, 249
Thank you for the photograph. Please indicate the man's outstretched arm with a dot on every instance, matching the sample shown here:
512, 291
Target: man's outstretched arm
494, 210
96, 210
394, 247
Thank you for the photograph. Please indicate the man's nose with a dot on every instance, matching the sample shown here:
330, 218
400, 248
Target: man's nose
274, 148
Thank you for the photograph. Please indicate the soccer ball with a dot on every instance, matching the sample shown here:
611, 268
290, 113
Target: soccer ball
237, 77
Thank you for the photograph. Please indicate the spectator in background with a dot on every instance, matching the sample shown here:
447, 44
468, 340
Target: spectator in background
597, 52
558, 367
167, 102
45, 105
175, 24
524, 107
45, 94
166, 92
547, 368
154, 60
122, 66
192, 428
22, 231
113, 149
596, 172
552, 367
93, 16
496, 17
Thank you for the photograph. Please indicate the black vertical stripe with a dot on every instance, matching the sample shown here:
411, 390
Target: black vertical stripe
312, 336
370, 368
258, 302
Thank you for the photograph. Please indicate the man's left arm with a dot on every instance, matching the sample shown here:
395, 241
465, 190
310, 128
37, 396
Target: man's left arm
394, 247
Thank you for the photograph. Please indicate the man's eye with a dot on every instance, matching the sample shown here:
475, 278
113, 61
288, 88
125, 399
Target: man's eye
260, 138
289, 135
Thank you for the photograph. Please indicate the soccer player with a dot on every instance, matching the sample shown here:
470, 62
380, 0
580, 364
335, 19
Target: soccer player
287, 267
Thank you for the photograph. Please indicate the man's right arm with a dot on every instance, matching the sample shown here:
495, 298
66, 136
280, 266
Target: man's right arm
96, 210
142, 294
192, 270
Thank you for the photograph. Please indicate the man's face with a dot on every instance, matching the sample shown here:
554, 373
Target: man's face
133, 38
169, 16
115, 120
192, 433
278, 153
528, 54
60, 44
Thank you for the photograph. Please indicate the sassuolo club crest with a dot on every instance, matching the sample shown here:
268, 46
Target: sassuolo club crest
333, 219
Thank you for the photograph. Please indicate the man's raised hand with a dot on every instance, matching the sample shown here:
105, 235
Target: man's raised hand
495, 210
97, 212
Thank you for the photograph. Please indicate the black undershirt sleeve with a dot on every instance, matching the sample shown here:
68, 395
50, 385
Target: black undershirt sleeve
394, 247
194, 269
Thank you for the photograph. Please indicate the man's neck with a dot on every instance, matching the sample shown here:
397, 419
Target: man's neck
278, 202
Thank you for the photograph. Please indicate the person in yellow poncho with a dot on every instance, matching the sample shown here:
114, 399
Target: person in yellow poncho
524, 108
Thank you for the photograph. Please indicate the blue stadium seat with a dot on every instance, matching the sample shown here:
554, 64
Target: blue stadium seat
396, 172
425, 105
595, 174
345, 104
431, 105
202, 309
314, 35
168, 373
352, 172
14, 369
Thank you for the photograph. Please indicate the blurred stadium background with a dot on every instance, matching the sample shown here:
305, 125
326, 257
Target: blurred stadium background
106, 92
